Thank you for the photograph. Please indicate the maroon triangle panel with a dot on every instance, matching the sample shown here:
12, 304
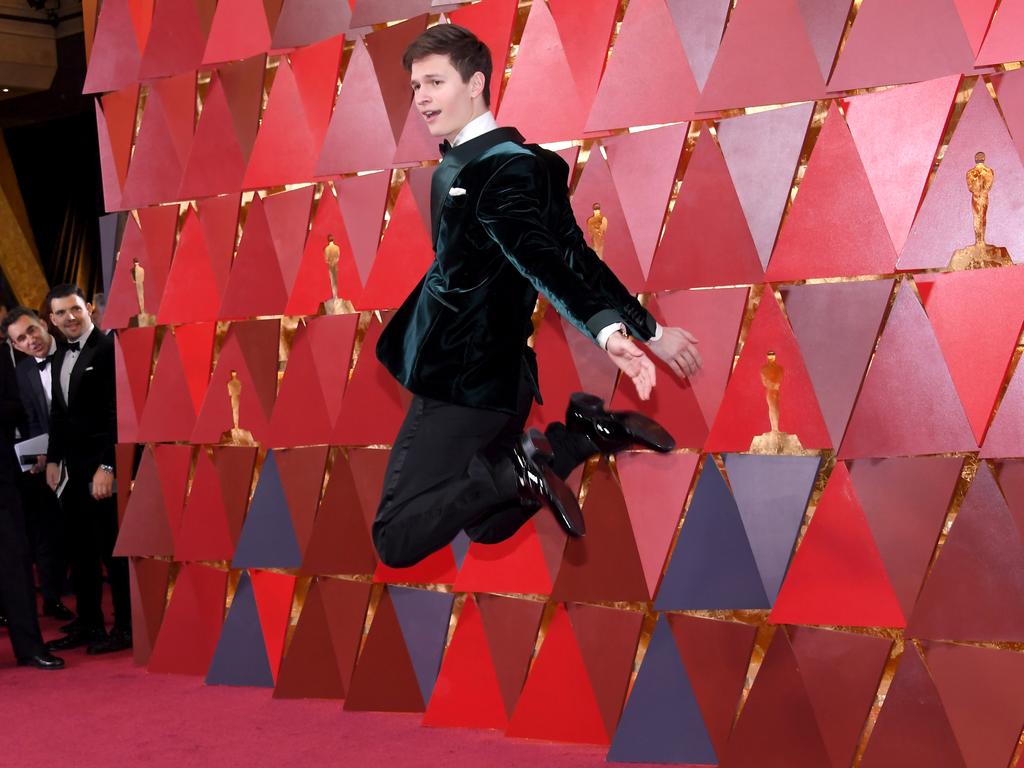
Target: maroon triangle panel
975, 590
191, 627
913, 727
249, 356
778, 727
384, 679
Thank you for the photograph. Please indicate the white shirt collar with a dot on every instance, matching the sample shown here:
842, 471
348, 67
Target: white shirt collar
50, 351
476, 127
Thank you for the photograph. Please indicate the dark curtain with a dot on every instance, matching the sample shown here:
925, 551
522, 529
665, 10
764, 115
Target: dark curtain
57, 166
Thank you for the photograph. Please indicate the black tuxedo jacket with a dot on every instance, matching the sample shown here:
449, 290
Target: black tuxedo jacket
12, 415
33, 397
461, 335
83, 429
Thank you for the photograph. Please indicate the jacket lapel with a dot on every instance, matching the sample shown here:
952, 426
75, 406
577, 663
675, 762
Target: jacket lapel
83, 361
38, 394
453, 163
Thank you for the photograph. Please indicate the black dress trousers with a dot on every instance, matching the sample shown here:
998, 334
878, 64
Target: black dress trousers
92, 527
447, 473
17, 593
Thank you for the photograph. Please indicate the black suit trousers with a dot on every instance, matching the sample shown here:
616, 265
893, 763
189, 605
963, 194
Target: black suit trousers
447, 473
92, 533
45, 532
16, 590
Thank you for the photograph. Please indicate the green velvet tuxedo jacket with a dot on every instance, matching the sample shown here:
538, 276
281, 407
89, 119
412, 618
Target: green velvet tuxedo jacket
503, 230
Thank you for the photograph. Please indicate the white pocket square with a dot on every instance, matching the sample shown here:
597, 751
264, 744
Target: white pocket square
88, 369
456, 191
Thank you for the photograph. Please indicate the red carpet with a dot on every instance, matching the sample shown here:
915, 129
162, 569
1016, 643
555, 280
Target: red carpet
104, 711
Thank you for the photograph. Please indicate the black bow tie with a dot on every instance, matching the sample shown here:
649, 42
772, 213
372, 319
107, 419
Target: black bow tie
44, 362
444, 147
74, 346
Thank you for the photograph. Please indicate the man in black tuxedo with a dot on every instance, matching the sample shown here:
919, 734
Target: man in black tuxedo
17, 593
28, 334
503, 230
83, 433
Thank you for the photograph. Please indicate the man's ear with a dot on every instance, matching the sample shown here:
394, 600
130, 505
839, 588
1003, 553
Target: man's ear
476, 84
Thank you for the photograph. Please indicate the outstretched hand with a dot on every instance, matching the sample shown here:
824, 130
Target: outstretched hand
678, 348
632, 361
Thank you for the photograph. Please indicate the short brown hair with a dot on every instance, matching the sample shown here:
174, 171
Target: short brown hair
14, 316
62, 291
465, 50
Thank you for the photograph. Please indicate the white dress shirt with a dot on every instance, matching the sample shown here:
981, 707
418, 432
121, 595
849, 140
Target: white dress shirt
46, 374
478, 126
70, 358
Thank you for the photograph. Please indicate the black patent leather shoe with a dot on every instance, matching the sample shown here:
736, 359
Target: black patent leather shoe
117, 640
614, 431
76, 638
539, 485
57, 610
3, 620
42, 660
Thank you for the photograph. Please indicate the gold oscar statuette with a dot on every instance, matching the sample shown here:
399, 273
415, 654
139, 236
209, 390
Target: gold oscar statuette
236, 435
980, 254
332, 255
775, 441
597, 226
138, 275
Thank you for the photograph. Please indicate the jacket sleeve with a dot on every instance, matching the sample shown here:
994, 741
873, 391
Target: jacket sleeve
620, 304
109, 405
557, 262
21, 375
11, 411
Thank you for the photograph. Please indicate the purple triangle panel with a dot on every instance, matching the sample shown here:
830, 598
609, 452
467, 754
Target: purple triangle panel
423, 617
241, 656
700, 24
268, 538
713, 567
111, 225
460, 547
771, 493
662, 722
825, 21
762, 151
836, 325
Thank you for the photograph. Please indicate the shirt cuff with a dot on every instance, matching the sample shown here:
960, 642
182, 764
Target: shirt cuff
657, 333
606, 333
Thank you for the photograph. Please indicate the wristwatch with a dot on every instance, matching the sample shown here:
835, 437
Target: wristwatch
107, 468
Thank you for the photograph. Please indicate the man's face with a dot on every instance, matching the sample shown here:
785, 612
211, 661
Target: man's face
72, 316
444, 100
29, 336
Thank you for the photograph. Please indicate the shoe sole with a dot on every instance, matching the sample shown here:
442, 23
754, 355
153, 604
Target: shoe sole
656, 437
566, 507
36, 666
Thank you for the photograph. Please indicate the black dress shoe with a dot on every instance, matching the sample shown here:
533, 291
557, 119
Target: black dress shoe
57, 610
42, 660
76, 638
117, 640
3, 620
614, 431
538, 484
